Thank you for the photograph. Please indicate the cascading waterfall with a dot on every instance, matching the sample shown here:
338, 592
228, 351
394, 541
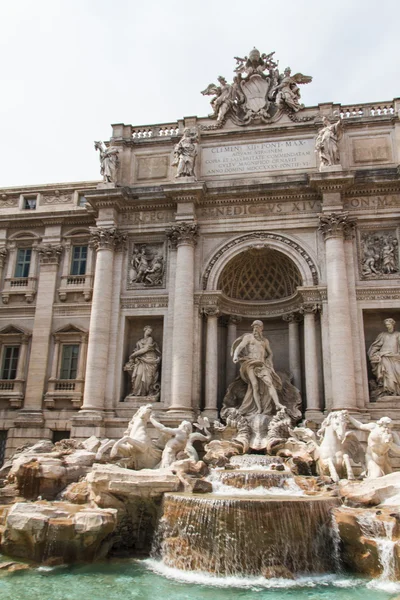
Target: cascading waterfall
244, 536
385, 544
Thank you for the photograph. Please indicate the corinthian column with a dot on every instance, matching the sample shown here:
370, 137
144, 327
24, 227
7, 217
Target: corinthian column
334, 226
183, 236
49, 258
211, 384
105, 241
311, 360
294, 319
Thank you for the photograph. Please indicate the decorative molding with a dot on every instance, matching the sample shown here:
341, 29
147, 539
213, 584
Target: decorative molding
373, 293
8, 201
57, 198
156, 301
336, 225
102, 238
211, 311
49, 254
260, 235
183, 233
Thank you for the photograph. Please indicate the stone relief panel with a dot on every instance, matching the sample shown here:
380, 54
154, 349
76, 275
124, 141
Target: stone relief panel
146, 265
379, 254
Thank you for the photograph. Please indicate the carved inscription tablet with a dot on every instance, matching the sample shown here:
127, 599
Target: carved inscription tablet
258, 158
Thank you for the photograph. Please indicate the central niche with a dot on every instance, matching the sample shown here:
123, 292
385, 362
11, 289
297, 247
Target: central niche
260, 275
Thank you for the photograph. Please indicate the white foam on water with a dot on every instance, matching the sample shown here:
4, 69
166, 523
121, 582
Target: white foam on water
290, 489
243, 582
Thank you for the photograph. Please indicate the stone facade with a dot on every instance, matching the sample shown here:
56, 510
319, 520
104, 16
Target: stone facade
251, 228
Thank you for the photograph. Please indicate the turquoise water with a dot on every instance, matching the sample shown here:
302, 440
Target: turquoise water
150, 580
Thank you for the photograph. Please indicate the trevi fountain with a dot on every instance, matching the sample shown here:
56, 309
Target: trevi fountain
265, 471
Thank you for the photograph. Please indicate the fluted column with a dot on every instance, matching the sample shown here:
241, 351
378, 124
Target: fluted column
105, 241
293, 319
230, 367
49, 258
333, 227
311, 360
211, 383
183, 236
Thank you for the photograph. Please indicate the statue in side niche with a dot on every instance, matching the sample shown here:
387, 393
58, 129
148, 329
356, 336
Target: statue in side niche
326, 143
109, 162
144, 366
384, 355
381, 442
185, 153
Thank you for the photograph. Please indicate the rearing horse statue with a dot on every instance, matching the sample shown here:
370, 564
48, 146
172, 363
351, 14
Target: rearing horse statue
337, 447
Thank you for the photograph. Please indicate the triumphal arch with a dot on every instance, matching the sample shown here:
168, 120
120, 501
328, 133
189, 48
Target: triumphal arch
134, 289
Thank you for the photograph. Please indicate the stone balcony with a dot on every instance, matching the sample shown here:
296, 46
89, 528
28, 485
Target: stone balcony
14, 286
76, 283
64, 389
12, 390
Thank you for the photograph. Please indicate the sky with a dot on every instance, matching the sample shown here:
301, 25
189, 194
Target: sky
70, 68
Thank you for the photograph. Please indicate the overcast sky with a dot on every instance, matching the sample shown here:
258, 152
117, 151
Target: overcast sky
70, 68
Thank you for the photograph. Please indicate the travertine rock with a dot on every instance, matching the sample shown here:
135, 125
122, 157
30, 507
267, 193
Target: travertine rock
57, 531
372, 492
109, 483
364, 535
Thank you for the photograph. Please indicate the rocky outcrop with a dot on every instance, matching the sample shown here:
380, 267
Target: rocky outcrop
370, 541
372, 492
57, 532
44, 470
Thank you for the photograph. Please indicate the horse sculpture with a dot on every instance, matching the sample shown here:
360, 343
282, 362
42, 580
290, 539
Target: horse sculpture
136, 445
337, 447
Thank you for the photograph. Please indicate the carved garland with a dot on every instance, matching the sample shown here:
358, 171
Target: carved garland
261, 235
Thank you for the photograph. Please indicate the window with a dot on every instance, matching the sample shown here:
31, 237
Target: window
69, 361
3, 441
10, 362
82, 200
23, 262
60, 435
30, 203
79, 258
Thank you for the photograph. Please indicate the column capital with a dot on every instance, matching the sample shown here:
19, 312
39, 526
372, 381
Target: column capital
183, 233
49, 254
107, 238
211, 311
234, 319
336, 225
293, 317
309, 308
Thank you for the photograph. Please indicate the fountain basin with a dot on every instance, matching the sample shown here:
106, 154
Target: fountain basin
249, 480
235, 536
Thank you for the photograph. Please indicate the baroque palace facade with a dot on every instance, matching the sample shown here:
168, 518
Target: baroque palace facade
264, 210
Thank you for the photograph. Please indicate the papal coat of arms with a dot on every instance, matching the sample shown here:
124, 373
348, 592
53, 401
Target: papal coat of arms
259, 92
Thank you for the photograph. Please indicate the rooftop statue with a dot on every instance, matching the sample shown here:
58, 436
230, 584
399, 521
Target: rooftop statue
259, 92
109, 162
326, 144
185, 153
